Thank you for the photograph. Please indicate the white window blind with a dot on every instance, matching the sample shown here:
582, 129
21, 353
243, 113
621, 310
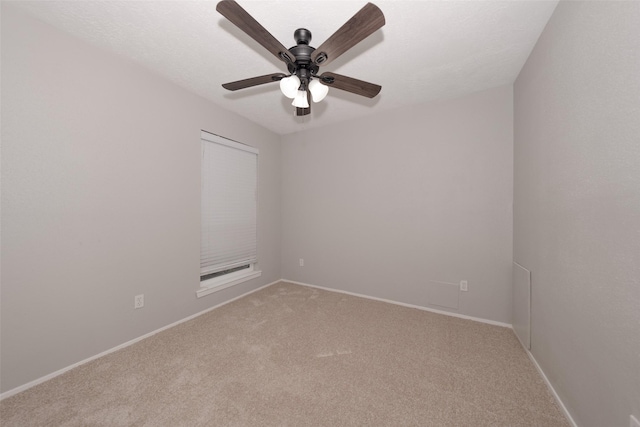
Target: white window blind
228, 193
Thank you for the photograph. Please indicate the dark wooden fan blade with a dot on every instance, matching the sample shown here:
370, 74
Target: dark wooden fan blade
241, 19
254, 81
359, 27
350, 84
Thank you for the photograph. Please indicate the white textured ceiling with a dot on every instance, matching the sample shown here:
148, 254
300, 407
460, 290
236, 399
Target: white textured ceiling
427, 50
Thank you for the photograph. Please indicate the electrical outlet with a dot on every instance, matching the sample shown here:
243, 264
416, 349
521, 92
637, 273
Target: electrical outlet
138, 301
464, 286
634, 422
301, 262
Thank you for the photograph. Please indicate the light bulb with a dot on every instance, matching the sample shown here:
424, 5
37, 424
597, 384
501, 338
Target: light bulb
289, 86
300, 100
318, 90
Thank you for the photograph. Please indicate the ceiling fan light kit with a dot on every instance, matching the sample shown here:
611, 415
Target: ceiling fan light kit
289, 86
318, 90
301, 101
303, 61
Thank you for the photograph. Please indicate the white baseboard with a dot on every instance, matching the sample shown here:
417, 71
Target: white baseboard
477, 319
40, 380
419, 307
135, 340
559, 401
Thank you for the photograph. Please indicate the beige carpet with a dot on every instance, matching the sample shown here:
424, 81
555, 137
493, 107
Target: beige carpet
294, 356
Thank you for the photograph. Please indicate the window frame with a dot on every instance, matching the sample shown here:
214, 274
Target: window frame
225, 281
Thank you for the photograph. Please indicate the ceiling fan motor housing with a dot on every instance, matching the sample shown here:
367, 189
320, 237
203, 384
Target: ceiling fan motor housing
303, 67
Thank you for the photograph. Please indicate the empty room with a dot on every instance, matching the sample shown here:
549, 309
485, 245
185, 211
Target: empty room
323, 213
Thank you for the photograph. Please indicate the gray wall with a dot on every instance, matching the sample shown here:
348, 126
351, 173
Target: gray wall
577, 206
100, 199
384, 205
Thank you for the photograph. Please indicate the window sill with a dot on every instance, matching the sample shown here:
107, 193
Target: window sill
219, 283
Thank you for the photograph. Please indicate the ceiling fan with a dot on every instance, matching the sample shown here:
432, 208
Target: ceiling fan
303, 61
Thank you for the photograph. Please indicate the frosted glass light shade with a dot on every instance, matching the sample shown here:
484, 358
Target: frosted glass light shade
318, 90
300, 100
289, 86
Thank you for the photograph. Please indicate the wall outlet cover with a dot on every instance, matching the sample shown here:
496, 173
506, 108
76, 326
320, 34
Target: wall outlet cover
138, 301
634, 422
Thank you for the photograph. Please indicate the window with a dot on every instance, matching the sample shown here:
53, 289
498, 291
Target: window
228, 249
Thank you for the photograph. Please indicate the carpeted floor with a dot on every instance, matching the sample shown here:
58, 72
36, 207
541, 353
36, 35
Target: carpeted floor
290, 355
